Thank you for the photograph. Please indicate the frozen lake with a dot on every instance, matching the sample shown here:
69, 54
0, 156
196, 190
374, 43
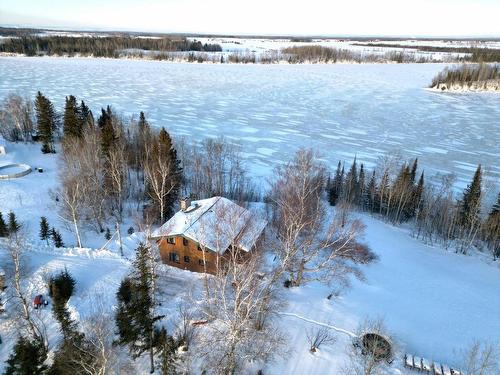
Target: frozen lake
340, 110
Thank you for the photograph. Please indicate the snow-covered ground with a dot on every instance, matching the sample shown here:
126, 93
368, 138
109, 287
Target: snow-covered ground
434, 302
341, 110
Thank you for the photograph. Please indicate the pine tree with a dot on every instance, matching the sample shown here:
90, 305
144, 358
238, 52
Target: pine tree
4, 230
371, 194
492, 228
135, 318
470, 205
74, 354
336, 186
61, 288
72, 124
27, 358
108, 135
14, 226
414, 167
167, 348
44, 229
164, 152
86, 118
46, 122
56, 238
142, 124
361, 189
351, 182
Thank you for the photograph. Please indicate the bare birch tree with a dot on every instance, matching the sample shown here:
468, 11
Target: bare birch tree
312, 245
232, 337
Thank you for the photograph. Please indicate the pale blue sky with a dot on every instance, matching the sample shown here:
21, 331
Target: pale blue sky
300, 17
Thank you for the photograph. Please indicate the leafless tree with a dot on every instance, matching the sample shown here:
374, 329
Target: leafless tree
318, 336
313, 245
481, 359
158, 174
236, 291
32, 323
70, 198
117, 172
16, 118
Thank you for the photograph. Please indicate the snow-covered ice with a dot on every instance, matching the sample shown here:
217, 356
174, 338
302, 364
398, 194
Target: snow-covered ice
341, 110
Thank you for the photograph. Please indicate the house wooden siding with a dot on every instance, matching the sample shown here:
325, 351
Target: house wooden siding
185, 247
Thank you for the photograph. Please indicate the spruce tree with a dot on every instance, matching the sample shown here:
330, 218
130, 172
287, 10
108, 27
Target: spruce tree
44, 229
4, 230
46, 122
56, 238
414, 170
492, 228
135, 318
14, 226
72, 124
336, 186
86, 118
470, 205
166, 151
74, 354
361, 188
61, 288
142, 124
108, 135
27, 358
371, 194
351, 182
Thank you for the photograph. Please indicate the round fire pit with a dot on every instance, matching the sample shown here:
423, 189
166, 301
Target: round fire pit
377, 346
14, 171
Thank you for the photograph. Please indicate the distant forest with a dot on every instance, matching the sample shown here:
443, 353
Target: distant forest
467, 74
109, 46
476, 54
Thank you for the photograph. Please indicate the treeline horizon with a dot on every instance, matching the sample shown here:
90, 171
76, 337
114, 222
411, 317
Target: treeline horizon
476, 54
107, 46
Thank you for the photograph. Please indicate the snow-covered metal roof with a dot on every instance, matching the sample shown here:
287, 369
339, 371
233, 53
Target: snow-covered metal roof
215, 223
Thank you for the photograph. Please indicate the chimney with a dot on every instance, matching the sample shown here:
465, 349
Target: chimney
185, 204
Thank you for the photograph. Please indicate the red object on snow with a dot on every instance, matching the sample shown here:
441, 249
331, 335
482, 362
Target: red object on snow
38, 301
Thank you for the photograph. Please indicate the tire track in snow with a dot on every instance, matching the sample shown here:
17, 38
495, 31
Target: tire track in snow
341, 330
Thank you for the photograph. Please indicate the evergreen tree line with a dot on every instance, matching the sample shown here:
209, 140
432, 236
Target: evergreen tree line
9, 227
109, 46
111, 164
403, 196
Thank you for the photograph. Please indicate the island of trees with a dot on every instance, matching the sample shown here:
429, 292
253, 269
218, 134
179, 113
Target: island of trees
482, 77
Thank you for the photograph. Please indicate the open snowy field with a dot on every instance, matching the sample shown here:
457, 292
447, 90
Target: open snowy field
341, 110
434, 302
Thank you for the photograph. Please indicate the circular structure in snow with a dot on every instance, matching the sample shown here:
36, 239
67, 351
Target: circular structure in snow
376, 345
14, 171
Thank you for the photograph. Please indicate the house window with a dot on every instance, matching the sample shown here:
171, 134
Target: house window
201, 262
186, 259
184, 242
173, 257
171, 240
199, 247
